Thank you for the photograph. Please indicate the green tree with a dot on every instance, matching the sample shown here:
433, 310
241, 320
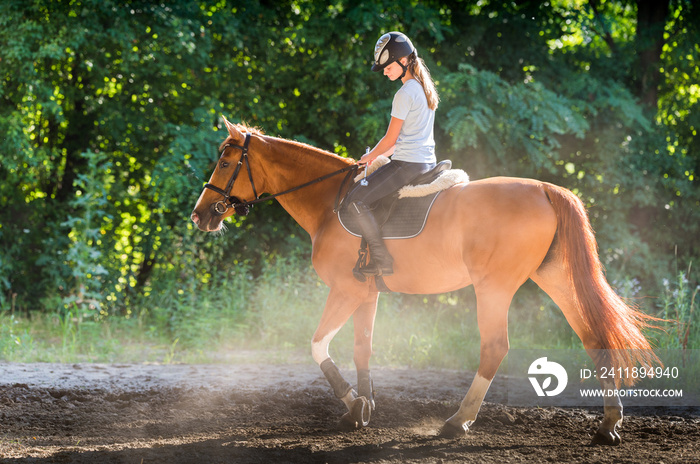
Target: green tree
110, 115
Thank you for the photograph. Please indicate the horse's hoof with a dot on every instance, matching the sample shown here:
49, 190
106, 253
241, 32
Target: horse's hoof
358, 416
611, 438
450, 430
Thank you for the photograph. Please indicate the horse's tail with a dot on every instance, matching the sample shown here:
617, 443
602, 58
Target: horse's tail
617, 325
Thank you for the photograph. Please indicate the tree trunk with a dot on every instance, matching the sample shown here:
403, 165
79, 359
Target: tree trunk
651, 21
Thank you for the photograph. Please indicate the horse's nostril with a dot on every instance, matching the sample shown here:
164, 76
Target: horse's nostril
195, 218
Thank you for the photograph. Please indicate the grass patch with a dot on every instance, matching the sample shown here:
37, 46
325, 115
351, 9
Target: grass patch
272, 318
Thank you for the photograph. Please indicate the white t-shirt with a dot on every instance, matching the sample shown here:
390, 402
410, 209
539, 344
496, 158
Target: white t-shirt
415, 143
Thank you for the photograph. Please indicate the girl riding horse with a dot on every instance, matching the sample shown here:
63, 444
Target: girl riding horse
408, 140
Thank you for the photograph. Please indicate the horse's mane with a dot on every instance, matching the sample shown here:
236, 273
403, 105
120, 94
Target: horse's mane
297, 145
243, 127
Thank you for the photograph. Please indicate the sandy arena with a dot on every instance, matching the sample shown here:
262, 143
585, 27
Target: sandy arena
98, 413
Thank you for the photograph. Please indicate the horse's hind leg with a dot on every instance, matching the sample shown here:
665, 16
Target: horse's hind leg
339, 307
492, 317
554, 281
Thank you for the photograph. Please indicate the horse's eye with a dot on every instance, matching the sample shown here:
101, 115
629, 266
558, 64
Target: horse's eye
224, 164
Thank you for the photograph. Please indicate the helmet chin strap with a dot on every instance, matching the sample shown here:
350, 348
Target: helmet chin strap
404, 67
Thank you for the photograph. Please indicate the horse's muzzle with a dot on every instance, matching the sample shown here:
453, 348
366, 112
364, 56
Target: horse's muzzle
203, 224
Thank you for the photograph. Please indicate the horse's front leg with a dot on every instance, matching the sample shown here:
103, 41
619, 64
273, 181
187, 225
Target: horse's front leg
339, 307
363, 320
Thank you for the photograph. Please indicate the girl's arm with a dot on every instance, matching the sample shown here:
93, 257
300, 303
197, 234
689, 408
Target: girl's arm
385, 147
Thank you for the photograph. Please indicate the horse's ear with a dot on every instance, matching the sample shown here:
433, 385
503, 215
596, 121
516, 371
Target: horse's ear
232, 129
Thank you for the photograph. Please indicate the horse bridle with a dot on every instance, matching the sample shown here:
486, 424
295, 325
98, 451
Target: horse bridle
242, 207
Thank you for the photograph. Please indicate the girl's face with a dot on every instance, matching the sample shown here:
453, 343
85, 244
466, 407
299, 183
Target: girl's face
394, 70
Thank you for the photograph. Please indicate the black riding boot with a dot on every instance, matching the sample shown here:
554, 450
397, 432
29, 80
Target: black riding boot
381, 263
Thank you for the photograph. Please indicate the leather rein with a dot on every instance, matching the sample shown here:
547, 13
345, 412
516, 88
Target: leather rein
242, 207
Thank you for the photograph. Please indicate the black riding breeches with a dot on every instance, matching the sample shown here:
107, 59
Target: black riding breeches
386, 180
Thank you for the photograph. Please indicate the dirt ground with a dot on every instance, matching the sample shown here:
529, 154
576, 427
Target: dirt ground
92, 413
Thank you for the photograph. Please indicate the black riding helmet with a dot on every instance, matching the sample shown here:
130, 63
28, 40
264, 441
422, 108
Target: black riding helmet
391, 47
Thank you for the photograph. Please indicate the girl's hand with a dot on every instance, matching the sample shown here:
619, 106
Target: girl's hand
367, 158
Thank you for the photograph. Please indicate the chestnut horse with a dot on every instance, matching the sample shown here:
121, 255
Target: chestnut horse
492, 233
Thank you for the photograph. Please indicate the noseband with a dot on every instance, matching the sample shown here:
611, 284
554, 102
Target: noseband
242, 207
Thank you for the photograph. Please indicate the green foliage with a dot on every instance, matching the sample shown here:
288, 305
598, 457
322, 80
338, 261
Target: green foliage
110, 117
14, 340
677, 307
507, 121
85, 292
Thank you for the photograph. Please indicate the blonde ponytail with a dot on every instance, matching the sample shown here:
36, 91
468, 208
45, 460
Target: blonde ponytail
420, 72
